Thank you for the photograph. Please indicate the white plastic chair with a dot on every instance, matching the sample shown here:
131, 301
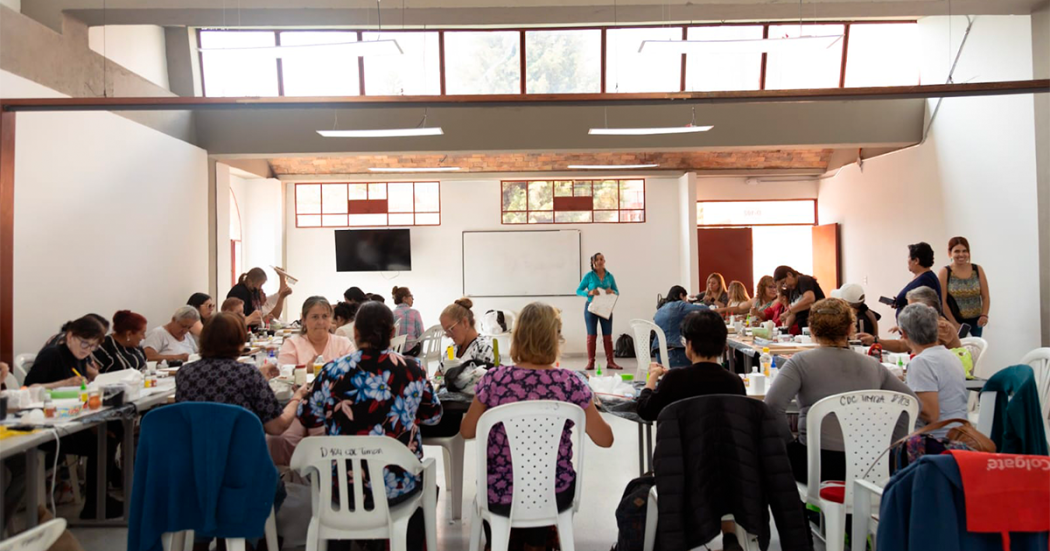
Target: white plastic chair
183, 540
23, 362
867, 418
397, 344
431, 346
748, 541
978, 348
452, 448
331, 520
39, 538
1039, 360
986, 413
865, 521
643, 329
534, 429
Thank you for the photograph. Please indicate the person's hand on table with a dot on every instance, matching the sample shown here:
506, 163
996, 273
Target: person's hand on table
72, 381
788, 321
865, 338
655, 372
254, 319
301, 393
183, 357
270, 371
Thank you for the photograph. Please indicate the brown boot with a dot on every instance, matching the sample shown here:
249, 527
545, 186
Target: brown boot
609, 354
592, 345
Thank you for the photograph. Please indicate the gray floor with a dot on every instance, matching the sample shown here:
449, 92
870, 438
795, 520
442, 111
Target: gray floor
607, 473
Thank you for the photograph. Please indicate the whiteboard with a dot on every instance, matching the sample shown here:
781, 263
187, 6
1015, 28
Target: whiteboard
524, 263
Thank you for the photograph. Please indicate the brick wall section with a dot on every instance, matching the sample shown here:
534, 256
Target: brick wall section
544, 162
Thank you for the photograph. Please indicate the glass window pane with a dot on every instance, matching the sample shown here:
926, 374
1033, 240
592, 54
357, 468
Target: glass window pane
400, 199
319, 71
367, 220
427, 197
307, 199
606, 216
563, 62
513, 217
605, 195
632, 194
563, 189
416, 72
572, 217
514, 196
334, 198
582, 189
482, 62
333, 220
882, 55
629, 71
746, 213
428, 219
401, 219
632, 216
818, 68
358, 191
541, 196
309, 220
377, 191
541, 217
238, 73
723, 71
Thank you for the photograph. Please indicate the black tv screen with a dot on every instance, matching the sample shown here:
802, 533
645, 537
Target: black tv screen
373, 250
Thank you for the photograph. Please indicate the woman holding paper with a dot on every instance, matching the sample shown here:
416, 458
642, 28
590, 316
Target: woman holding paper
597, 282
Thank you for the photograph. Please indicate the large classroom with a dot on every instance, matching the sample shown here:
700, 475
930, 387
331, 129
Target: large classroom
562, 274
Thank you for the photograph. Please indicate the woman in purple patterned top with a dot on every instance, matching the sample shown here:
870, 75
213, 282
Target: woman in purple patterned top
533, 377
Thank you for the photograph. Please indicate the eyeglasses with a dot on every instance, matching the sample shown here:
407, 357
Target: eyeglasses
86, 344
448, 330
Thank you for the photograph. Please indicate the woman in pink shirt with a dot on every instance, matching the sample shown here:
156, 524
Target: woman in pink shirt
313, 340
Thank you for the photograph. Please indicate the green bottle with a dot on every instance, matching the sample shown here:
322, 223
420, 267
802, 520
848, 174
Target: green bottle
598, 368
495, 352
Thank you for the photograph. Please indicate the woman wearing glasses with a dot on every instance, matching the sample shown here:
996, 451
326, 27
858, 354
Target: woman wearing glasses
66, 363
467, 344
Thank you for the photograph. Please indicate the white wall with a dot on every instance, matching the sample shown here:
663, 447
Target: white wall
724, 188
643, 257
139, 48
974, 176
109, 214
261, 206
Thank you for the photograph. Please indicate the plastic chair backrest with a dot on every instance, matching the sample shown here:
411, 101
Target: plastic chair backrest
39, 538
534, 430
1039, 361
867, 418
397, 344
643, 330
321, 457
23, 362
978, 348
431, 351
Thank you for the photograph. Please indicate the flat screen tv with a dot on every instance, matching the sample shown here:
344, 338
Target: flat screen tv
373, 250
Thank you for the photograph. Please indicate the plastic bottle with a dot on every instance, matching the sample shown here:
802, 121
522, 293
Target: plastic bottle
747, 321
299, 376
900, 364
765, 360
495, 352
152, 378
83, 392
598, 369
318, 365
750, 376
773, 370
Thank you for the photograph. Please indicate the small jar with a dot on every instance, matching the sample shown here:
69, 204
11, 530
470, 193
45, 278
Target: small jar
50, 411
94, 399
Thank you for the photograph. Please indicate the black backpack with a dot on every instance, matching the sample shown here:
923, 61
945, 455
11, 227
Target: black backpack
624, 346
630, 514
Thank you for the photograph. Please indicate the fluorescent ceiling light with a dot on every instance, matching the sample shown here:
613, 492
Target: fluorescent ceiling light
363, 48
425, 169
383, 133
611, 167
741, 46
647, 131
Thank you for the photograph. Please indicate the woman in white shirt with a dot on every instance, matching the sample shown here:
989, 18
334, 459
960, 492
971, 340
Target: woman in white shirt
172, 341
934, 373
739, 302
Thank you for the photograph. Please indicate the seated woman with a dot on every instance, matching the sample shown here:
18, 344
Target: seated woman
59, 338
63, 365
533, 376
867, 319
205, 306
739, 303
376, 391
947, 334
813, 375
778, 312
715, 296
172, 341
408, 320
765, 297
669, 318
122, 349
343, 315
934, 372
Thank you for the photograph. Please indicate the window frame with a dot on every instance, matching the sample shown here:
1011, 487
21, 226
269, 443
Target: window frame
368, 192
816, 212
575, 181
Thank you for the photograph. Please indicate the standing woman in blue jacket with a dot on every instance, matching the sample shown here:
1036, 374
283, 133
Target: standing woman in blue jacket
596, 282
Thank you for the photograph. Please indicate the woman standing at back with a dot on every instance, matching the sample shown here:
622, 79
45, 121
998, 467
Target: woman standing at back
966, 296
407, 319
596, 282
249, 289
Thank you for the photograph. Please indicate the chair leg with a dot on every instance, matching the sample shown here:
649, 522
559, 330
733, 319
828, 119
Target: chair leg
652, 513
430, 514
399, 536
565, 534
313, 542
446, 455
834, 526
235, 544
475, 530
73, 466
456, 483
500, 528
861, 520
271, 532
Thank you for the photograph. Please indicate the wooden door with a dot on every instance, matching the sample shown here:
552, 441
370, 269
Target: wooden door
727, 251
826, 266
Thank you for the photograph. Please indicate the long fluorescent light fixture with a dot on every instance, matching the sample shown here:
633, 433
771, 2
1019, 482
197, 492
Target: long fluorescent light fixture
424, 169
611, 167
741, 46
648, 131
386, 46
383, 133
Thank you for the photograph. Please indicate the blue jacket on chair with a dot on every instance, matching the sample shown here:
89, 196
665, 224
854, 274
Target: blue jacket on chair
1017, 426
202, 467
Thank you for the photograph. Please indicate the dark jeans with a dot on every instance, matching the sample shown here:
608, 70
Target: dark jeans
975, 331
592, 322
832, 463
534, 537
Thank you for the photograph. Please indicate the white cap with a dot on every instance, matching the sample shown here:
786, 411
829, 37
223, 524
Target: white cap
850, 292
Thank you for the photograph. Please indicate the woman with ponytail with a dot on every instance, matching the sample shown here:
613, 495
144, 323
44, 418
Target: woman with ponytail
122, 349
249, 289
596, 282
407, 319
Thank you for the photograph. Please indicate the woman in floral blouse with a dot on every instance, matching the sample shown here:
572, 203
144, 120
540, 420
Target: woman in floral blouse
375, 391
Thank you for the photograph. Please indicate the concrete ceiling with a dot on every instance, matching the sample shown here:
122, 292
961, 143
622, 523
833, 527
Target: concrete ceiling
451, 13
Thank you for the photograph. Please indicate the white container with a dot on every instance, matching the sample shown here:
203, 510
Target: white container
758, 383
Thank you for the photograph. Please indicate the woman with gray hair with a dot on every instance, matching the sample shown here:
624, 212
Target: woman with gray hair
172, 341
947, 334
934, 374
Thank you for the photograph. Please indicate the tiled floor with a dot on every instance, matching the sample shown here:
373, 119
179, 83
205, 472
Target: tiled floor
607, 473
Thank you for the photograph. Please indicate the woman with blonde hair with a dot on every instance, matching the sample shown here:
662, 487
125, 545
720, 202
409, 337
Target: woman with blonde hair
716, 295
468, 346
535, 349
739, 302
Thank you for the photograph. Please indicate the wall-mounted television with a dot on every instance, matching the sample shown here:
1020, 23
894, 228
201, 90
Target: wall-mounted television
373, 250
